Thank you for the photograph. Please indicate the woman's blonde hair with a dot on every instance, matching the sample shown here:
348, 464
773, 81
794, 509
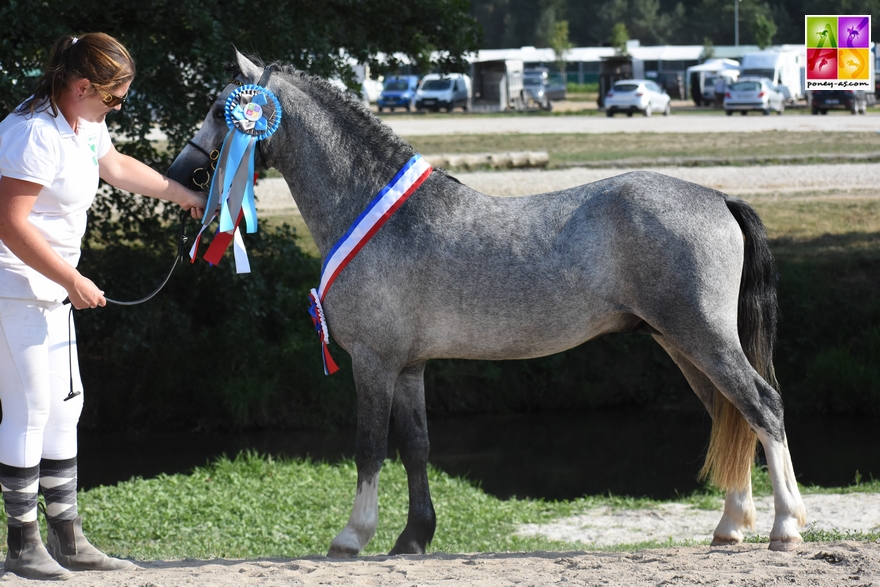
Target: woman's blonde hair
97, 57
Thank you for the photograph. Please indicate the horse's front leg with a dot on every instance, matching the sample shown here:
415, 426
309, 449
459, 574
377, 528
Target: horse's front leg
375, 387
411, 425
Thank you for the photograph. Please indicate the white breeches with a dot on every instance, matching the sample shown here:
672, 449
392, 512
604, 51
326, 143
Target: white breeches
35, 375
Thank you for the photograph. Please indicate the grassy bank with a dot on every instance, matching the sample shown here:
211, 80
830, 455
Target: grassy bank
252, 507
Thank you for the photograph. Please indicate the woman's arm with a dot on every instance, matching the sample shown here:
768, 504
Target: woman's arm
129, 174
17, 198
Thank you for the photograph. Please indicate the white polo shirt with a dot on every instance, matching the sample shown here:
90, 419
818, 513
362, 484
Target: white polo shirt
44, 149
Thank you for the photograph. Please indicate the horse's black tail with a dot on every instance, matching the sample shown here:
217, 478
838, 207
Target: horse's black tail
758, 308
732, 444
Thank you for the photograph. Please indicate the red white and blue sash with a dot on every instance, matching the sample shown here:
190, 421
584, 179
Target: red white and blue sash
383, 206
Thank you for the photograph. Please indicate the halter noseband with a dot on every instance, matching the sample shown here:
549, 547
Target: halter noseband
215, 154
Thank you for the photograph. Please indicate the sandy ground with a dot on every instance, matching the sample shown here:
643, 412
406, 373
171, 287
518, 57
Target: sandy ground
834, 564
854, 564
842, 563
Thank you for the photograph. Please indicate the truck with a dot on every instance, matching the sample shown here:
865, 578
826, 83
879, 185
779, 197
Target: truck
498, 85
784, 68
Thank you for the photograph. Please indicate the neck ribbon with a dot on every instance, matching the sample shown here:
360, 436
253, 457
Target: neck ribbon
383, 206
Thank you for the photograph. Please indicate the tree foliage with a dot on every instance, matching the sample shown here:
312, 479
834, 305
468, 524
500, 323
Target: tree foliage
765, 28
180, 46
619, 38
560, 44
659, 22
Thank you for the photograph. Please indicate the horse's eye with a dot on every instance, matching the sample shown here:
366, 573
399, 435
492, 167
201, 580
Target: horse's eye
219, 113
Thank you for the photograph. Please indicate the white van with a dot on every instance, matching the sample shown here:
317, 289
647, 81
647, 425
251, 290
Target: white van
444, 90
783, 68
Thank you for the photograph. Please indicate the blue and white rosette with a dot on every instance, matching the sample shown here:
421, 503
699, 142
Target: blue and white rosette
253, 113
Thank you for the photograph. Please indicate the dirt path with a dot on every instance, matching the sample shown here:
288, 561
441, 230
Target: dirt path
466, 124
273, 195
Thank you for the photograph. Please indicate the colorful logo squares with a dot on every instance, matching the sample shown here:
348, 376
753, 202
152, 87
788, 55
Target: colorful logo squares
838, 52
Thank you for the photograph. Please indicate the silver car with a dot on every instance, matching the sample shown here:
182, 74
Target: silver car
636, 95
753, 94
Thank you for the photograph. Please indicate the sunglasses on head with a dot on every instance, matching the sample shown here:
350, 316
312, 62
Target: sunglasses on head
109, 100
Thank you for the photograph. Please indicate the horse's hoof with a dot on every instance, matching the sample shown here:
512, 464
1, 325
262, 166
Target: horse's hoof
341, 552
729, 541
787, 545
407, 547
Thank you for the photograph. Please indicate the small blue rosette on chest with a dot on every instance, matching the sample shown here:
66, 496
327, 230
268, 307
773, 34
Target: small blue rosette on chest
253, 113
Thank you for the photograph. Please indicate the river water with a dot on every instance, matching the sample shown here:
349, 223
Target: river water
542, 455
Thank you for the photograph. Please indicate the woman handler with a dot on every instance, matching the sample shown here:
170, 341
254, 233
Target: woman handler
53, 149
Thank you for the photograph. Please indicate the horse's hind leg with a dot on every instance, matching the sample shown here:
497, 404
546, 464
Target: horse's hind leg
410, 423
753, 402
375, 388
786, 497
739, 509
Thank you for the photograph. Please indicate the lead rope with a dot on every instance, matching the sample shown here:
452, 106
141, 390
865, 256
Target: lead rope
181, 253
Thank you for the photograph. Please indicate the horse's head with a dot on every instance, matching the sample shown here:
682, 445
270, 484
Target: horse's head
194, 165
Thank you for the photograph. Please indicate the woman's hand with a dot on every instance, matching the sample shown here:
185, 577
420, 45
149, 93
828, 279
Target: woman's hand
195, 202
83, 293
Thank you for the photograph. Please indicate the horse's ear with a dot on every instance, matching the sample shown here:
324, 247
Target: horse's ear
246, 67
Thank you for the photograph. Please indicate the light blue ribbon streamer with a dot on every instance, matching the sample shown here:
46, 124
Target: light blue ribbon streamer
232, 186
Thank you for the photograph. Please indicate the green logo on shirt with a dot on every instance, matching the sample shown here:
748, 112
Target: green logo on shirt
93, 146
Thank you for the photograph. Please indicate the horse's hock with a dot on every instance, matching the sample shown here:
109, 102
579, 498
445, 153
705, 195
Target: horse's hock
474, 161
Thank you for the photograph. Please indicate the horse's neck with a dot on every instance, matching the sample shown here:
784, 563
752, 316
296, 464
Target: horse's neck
334, 167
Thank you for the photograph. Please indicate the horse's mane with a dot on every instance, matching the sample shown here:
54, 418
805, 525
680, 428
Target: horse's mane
343, 105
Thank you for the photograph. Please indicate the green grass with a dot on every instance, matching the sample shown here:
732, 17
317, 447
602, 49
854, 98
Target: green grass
254, 507
257, 507
827, 223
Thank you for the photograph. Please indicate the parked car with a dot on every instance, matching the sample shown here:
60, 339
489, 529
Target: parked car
636, 95
535, 82
447, 91
854, 101
543, 87
399, 92
753, 94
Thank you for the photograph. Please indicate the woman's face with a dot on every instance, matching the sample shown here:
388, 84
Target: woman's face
94, 103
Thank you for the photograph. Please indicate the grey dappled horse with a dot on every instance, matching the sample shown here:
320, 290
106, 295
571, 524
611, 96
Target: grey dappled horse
458, 274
